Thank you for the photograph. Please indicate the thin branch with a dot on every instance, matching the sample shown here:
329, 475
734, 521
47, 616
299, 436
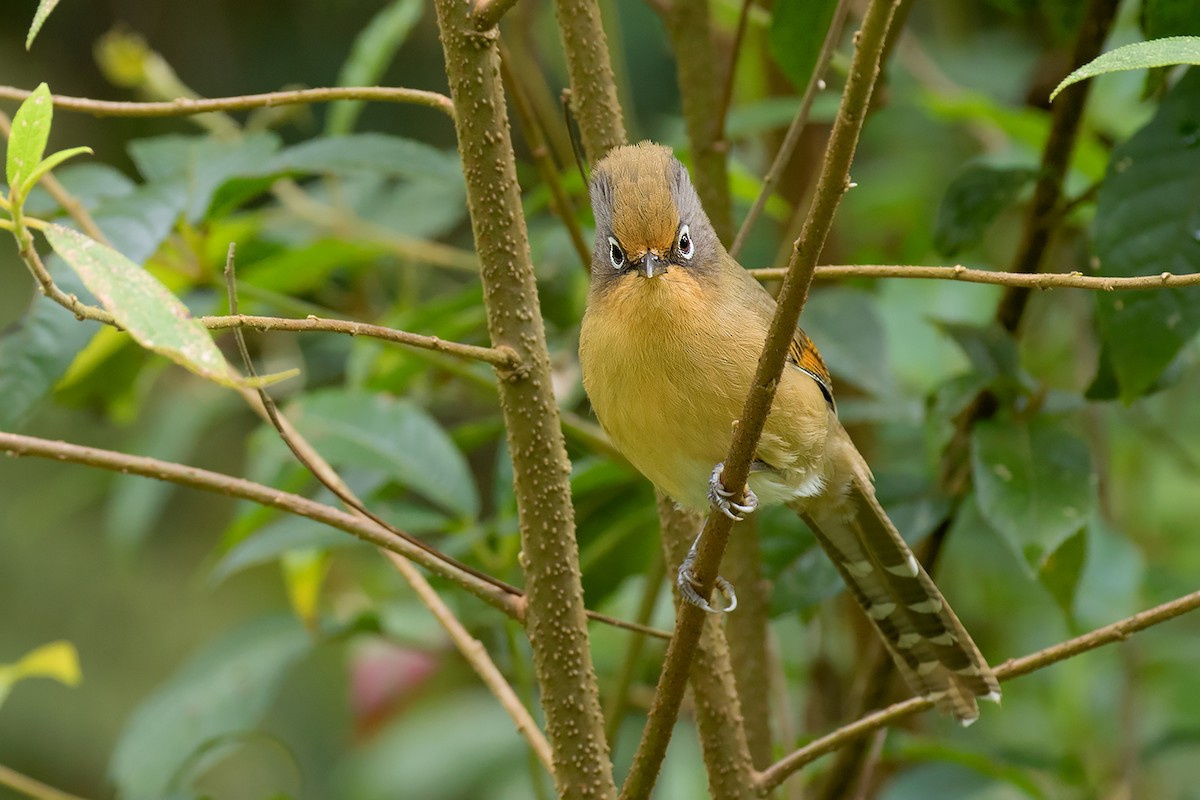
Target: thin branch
1066, 120
830, 188
1045, 280
48, 287
739, 36
555, 618
31, 787
792, 137
183, 106
543, 159
503, 358
487, 13
690, 33
477, 656
1013, 668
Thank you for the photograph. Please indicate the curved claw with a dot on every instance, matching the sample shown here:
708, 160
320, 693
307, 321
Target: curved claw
688, 585
719, 496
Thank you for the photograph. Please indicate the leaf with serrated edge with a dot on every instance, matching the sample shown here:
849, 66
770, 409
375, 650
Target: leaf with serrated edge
1139, 55
141, 305
39, 18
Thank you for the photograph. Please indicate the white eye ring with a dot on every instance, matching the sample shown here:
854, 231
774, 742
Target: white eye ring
684, 246
615, 254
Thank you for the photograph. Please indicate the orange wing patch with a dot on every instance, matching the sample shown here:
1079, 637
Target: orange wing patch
803, 353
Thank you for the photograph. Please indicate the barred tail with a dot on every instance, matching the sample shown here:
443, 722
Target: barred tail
931, 648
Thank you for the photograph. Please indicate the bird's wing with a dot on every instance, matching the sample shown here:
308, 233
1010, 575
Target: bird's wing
803, 354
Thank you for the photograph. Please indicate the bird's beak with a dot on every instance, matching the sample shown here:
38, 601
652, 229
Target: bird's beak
650, 265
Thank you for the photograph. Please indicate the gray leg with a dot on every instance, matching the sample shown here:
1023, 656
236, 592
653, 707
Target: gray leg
688, 583
719, 496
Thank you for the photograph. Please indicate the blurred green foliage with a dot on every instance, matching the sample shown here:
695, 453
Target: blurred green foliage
199, 678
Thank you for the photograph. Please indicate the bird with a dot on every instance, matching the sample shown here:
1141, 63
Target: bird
669, 343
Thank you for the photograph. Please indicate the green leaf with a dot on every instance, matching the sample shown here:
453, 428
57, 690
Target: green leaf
57, 660
1139, 55
798, 30
847, 327
972, 201
1062, 571
397, 438
225, 690
1110, 585
276, 539
1148, 222
39, 18
145, 308
304, 572
49, 164
372, 51
38, 349
295, 270
1034, 484
369, 153
27, 142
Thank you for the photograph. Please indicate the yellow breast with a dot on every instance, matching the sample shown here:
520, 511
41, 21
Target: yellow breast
667, 364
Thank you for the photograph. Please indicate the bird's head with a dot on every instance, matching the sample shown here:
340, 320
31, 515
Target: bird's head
648, 217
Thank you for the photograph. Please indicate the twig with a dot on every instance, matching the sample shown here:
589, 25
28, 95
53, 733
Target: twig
543, 159
792, 137
185, 106
830, 188
593, 86
1043, 280
555, 615
31, 787
503, 358
1066, 119
487, 13
731, 71
477, 656
1013, 668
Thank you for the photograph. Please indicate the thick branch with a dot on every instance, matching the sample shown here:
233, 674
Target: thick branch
183, 106
593, 87
487, 13
555, 618
1044, 280
830, 188
1013, 668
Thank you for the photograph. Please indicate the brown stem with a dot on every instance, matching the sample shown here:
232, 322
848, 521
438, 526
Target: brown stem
593, 87
792, 137
1013, 668
555, 619
31, 787
739, 36
696, 67
1066, 118
1041, 280
830, 188
183, 106
715, 698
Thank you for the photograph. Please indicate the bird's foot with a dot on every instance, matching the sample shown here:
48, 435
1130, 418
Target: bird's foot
688, 585
721, 497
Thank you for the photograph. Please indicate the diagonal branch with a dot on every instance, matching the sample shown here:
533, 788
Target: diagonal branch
31, 787
1041, 280
830, 188
183, 106
1013, 668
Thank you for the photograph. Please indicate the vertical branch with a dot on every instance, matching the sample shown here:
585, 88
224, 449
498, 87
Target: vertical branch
699, 89
597, 109
1066, 118
718, 709
555, 618
747, 634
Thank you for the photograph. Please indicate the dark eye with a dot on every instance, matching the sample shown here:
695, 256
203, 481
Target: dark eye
615, 253
685, 242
